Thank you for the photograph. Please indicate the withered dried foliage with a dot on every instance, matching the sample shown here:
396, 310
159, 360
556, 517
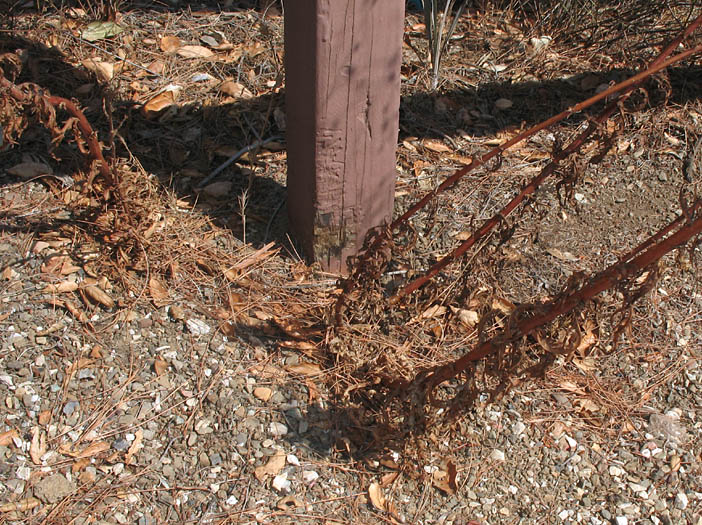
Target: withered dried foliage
403, 347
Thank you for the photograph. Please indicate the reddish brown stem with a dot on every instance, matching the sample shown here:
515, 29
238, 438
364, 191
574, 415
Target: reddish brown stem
623, 87
607, 279
83, 125
90, 137
533, 185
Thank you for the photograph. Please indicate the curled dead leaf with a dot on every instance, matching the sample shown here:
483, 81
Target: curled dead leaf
38, 446
90, 451
170, 43
194, 52
7, 437
235, 89
273, 467
159, 103
104, 71
377, 498
436, 146
160, 366
62, 287
289, 502
445, 480
135, 447
158, 292
97, 295
305, 369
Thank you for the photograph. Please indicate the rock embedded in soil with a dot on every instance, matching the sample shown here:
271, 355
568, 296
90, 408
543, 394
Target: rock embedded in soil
54, 488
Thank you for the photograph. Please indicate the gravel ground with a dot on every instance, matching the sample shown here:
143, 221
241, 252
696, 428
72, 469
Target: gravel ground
121, 407
155, 417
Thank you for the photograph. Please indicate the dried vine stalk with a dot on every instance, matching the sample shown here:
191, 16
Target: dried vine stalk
47, 104
619, 91
638, 261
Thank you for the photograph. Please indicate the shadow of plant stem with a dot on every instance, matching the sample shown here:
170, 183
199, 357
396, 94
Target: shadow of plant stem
530, 319
380, 236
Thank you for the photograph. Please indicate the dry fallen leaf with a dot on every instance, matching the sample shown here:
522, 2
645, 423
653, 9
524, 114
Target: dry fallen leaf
275, 464
38, 447
435, 145
445, 480
80, 465
90, 451
194, 52
235, 89
160, 366
103, 70
159, 292
433, 311
7, 437
135, 447
563, 256
305, 369
377, 497
62, 287
97, 295
157, 104
469, 318
169, 43
289, 502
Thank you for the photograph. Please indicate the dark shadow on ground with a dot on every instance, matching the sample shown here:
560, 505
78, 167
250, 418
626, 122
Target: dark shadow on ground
180, 151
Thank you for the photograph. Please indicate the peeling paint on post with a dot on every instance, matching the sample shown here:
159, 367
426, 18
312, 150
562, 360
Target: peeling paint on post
342, 69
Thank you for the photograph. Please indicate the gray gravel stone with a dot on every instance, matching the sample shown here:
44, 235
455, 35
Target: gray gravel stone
53, 488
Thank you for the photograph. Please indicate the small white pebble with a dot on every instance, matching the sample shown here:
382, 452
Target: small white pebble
681, 501
232, 500
309, 476
281, 483
278, 429
497, 455
293, 460
621, 520
563, 514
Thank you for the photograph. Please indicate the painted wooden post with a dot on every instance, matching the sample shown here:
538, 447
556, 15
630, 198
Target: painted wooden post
342, 69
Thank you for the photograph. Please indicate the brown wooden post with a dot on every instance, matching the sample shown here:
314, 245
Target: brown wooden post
342, 69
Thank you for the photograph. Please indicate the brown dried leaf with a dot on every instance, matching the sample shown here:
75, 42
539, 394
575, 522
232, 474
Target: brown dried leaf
469, 318
20, 506
275, 464
436, 146
159, 292
435, 310
194, 52
157, 104
72, 308
7, 437
587, 405
289, 502
388, 478
38, 447
59, 265
235, 89
160, 366
104, 71
62, 287
135, 447
169, 43
446, 480
375, 493
305, 369
90, 451
97, 295
80, 464
563, 256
